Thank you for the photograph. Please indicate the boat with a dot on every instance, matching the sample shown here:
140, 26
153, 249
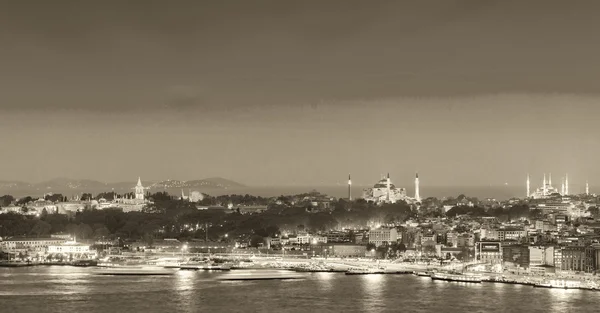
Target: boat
423, 274
364, 271
558, 283
260, 275
135, 271
456, 278
204, 266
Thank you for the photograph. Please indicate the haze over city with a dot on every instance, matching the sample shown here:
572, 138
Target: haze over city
267, 93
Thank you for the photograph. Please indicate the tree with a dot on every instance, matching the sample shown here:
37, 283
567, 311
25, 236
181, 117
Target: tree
41, 228
101, 231
84, 231
6, 200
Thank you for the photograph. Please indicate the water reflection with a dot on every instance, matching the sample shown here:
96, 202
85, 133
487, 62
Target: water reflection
373, 287
325, 281
561, 299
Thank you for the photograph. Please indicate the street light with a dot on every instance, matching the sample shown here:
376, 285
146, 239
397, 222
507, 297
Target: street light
183, 248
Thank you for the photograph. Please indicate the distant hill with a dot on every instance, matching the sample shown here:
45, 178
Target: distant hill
68, 184
213, 182
13, 185
71, 186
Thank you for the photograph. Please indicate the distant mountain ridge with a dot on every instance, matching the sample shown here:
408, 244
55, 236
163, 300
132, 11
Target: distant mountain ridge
212, 182
62, 184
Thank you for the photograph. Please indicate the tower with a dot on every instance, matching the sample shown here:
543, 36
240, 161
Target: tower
349, 188
417, 195
567, 184
562, 187
587, 188
139, 190
388, 187
528, 193
550, 179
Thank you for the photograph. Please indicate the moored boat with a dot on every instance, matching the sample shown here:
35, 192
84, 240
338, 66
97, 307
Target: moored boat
364, 271
456, 278
135, 271
260, 275
559, 283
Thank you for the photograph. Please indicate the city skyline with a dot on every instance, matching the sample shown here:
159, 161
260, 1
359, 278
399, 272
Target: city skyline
455, 90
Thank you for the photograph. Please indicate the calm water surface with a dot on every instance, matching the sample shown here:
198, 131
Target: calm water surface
66, 289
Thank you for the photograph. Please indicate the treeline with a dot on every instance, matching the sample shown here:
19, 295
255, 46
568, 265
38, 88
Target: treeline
511, 213
168, 218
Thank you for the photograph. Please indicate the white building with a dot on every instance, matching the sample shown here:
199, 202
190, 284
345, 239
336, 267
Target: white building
69, 247
385, 192
29, 244
383, 235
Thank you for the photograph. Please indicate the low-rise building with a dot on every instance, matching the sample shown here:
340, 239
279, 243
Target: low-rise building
29, 244
383, 235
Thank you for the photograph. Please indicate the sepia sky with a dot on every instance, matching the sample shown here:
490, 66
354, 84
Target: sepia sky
300, 92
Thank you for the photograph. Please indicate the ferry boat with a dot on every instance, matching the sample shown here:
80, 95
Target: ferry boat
135, 271
456, 278
364, 271
260, 275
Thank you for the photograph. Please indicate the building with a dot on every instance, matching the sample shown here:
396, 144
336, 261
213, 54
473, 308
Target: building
541, 255
135, 203
69, 247
545, 191
383, 235
502, 234
29, 244
193, 196
576, 258
338, 236
385, 192
488, 252
340, 250
515, 256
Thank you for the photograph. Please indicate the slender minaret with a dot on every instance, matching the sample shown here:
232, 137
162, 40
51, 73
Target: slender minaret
587, 188
388, 187
528, 193
550, 179
417, 195
562, 187
567, 184
544, 185
349, 188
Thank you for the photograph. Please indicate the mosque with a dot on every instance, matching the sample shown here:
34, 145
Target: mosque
193, 196
547, 190
386, 192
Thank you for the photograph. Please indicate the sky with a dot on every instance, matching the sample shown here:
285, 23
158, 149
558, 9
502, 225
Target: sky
282, 92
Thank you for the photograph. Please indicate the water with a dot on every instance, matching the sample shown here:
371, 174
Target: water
66, 289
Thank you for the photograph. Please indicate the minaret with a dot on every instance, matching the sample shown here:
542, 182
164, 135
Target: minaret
417, 195
550, 179
544, 185
567, 184
587, 188
562, 187
388, 187
528, 193
349, 188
